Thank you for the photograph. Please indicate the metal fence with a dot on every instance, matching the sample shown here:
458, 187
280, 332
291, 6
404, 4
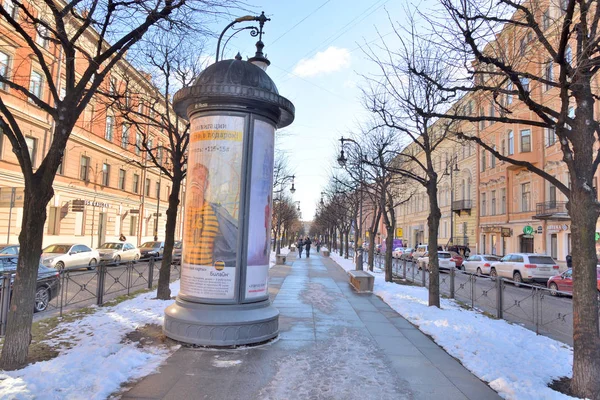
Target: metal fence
78, 289
528, 305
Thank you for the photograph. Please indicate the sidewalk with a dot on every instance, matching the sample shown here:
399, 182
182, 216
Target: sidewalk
333, 344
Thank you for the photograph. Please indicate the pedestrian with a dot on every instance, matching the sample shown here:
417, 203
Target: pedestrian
307, 243
318, 244
299, 245
569, 261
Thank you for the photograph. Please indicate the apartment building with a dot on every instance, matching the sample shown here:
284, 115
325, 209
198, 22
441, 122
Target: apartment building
104, 187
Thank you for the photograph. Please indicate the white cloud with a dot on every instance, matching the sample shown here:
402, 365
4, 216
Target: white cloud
324, 62
350, 84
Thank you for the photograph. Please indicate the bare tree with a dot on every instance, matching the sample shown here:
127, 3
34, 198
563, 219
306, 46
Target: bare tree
536, 64
88, 39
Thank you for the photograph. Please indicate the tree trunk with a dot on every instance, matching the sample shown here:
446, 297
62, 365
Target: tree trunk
347, 244
389, 243
371, 250
164, 292
586, 338
433, 223
20, 315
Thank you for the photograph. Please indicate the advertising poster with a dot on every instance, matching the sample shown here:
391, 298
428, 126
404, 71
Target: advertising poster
261, 188
210, 236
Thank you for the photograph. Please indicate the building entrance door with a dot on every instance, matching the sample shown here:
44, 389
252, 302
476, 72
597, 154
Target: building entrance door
526, 242
554, 246
101, 228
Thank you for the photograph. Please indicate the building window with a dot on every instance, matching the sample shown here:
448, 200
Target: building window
483, 160
110, 126
509, 96
522, 47
136, 183
10, 8
84, 166
550, 136
568, 55
122, 176
133, 224
525, 196
503, 147
493, 211
525, 84
552, 195
61, 166
32, 147
105, 174
159, 154
564, 4
138, 143
493, 158
4, 63
503, 201
148, 148
481, 123
35, 84
147, 189
158, 190
549, 74
492, 112
483, 244
54, 221
42, 36
511, 143
525, 141
483, 205
124, 136
113, 86
546, 20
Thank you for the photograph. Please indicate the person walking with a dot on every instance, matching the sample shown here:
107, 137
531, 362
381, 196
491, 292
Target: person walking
307, 244
318, 244
299, 246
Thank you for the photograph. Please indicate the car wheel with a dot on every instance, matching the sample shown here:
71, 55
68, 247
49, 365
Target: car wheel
118, 260
478, 271
92, 264
60, 265
493, 273
517, 278
42, 298
553, 289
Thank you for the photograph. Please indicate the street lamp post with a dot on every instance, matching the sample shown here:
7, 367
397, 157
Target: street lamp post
450, 170
234, 109
342, 162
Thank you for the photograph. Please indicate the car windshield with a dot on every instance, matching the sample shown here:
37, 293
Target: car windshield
57, 248
150, 245
444, 255
112, 246
541, 260
491, 258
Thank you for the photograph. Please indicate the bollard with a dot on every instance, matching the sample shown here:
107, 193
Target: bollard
150, 272
101, 271
499, 298
423, 277
412, 268
4, 302
404, 269
452, 275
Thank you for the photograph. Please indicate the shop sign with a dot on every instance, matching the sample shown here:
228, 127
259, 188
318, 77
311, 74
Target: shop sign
540, 229
399, 232
491, 229
506, 232
597, 236
79, 203
12, 197
134, 211
528, 230
558, 228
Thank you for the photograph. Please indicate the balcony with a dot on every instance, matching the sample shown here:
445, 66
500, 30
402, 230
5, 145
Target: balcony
556, 210
462, 205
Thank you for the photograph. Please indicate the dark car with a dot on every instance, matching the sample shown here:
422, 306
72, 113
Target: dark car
9, 249
177, 252
48, 282
152, 249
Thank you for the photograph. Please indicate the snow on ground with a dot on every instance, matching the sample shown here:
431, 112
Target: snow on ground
99, 360
516, 362
284, 251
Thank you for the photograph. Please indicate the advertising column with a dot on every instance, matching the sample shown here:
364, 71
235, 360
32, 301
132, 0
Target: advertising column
212, 203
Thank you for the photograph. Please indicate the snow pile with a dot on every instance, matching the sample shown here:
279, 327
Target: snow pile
99, 360
516, 362
283, 251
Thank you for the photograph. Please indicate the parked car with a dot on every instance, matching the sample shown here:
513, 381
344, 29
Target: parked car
397, 252
479, 264
378, 249
407, 254
525, 267
48, 282
177, 246
9, 249
444, 258
419, 251
117, 252
563, 284
457, 258
152, 249
69, 255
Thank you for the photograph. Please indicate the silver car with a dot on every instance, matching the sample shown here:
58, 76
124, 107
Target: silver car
69, 255
118, 252
479, 264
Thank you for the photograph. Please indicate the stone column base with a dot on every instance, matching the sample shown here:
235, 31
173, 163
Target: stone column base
221, 325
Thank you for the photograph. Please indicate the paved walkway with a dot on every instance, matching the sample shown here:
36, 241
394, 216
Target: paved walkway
334, 344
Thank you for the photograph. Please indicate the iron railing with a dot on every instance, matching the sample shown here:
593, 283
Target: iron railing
554, 209
460, 205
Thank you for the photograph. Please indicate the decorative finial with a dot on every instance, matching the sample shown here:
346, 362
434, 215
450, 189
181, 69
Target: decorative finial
238, 56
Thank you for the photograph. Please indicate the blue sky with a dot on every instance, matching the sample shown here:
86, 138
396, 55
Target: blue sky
316, 62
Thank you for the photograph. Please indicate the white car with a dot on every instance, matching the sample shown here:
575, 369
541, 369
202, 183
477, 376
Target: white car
444, 259
69, 255
117, 252
397, 252
479, 264
525, 267
420, 251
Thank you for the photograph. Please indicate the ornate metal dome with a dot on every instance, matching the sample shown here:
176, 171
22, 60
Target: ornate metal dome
231, 85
